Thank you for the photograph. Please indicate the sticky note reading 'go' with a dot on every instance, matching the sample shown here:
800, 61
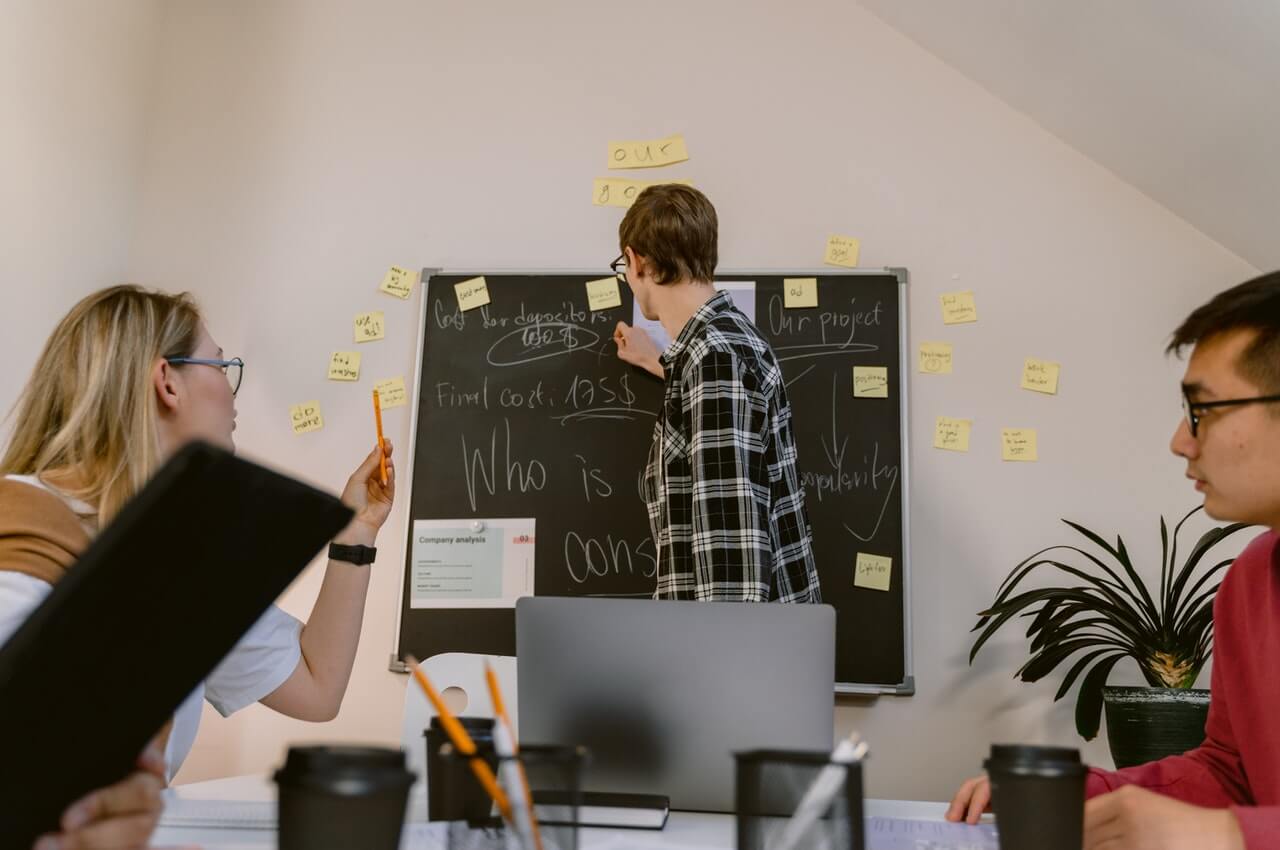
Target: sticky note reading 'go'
370, 326
472, 293
306, 417
935, 358
344, 366
872, 571
398, 282
959, 308
952, 434
617, 192
603, 294
648, 154
1040, 376
870, 382
1018, 444
391, 392
841, 251
800, 292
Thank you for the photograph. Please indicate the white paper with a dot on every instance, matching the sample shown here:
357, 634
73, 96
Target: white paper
902, 834
471, 563
743, 293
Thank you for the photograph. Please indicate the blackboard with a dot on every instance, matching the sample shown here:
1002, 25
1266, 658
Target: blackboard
522, 409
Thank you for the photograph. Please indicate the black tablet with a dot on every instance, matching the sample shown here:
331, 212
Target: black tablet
156, 602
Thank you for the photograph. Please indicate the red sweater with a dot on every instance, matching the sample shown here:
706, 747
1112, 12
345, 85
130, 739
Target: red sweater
1238, 765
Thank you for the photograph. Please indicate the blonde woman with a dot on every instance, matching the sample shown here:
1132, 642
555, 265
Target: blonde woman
128, 377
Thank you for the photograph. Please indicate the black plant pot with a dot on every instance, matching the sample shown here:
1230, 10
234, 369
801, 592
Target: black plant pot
1147, 724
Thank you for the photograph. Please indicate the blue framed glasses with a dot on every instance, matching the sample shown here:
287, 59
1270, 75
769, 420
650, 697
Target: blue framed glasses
233, 368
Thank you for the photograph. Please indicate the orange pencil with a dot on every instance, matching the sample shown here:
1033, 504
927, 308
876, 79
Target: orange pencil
500, 709
382, 453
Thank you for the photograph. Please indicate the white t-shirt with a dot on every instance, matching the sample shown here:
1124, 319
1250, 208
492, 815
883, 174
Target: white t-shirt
261, 662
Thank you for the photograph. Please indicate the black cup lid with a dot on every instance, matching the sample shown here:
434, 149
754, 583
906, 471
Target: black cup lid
1023, 753
305, 761
473, 725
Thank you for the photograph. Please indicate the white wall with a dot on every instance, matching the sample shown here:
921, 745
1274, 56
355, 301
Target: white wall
296, 149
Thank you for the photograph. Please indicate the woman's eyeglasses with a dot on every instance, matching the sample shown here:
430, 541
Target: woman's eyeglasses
233, 368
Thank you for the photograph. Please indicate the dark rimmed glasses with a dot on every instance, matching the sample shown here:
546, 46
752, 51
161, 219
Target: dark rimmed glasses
1193, 409
233, 368
619, 267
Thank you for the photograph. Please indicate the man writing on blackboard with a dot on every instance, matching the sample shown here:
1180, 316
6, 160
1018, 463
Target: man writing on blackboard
721, 486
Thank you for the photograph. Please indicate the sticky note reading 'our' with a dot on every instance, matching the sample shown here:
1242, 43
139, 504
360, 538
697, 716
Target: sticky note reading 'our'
958, 308
648, 154
800, 292
935, 358
1018, 444
870, 382
472, 293
306, 417
603, 294
391, 392
1040, 376
841, 251
872, 571
617, 192
952, 434
370, 326
344, 366
397, 282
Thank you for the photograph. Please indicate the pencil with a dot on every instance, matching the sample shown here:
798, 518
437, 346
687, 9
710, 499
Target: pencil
382, 453
500, 709
462, 741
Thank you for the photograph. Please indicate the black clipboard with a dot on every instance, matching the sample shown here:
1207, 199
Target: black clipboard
154, 604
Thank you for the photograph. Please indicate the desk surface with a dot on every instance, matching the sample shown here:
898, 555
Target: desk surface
685, 830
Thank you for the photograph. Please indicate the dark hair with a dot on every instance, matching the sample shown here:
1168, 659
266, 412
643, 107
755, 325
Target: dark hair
674, 227
1253, 305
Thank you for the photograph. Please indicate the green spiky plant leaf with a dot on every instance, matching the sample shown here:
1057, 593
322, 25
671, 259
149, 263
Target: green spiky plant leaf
1104, 612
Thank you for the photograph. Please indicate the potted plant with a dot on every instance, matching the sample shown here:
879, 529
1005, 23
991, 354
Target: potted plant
1105, 612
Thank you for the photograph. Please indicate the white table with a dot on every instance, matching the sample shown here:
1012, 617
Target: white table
685, 830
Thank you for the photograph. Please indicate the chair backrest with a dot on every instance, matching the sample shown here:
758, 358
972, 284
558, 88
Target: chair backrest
464, 671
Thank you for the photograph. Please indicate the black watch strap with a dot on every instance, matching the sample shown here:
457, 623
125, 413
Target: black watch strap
358, 555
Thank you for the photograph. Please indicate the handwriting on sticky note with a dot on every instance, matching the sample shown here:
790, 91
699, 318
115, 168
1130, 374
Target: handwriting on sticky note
935, 358
952, 434
1018, 444
603, 294
649, 153
306, 417
1040, 376
617, 192
370, 326
391, 392
344, 366
800, 292
870, 382
398, 282
958, 308
472, 293
841, 251
872, 571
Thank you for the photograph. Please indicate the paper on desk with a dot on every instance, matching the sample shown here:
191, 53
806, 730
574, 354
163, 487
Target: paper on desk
901, 834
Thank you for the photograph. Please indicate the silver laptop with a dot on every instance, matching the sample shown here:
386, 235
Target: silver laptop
663, 693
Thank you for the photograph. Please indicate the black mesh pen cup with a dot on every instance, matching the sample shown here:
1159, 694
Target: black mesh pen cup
553, 776
337, 798
1038, 796
800, 800
453, 792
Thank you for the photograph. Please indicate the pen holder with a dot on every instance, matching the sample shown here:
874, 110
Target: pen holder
453, 793
554, 778
778, 790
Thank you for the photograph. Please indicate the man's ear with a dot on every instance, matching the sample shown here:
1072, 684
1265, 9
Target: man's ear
636, 264
164, 380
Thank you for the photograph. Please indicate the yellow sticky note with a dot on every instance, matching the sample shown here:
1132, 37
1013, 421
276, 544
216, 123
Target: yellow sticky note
344, 366
841, 251
648, 153
958, 308
398, 282
603, 294
306, 417
1018, 444
872, 571
391, 392
800, 292
870, 382
370, 326
617, 192
1040, 376
952, 434
935, 358
472, 293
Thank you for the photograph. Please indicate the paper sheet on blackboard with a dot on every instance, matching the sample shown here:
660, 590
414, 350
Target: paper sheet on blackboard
471, 563
743, 293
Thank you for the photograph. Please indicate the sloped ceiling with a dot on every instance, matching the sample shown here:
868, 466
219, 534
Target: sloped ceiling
1179, 98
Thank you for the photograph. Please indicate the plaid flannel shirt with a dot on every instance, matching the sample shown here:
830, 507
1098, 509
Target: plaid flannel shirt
721, 486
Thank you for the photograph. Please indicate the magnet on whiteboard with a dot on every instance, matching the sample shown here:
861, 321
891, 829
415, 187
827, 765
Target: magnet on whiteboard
477, 526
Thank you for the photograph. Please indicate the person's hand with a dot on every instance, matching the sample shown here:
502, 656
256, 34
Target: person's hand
1134, 818
637, 348
973, 798
371, 501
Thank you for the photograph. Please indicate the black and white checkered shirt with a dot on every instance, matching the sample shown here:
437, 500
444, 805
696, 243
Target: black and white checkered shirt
724, 496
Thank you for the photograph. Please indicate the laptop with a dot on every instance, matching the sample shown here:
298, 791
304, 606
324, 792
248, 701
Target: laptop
153, 605
663, 693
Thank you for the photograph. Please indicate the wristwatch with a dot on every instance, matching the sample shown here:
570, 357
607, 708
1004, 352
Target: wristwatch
358, 555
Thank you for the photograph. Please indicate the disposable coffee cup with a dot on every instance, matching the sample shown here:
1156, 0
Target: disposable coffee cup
1038, 796
339, 798
453, 792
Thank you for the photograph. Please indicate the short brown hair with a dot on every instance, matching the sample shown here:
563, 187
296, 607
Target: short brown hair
674, 227
1253, 305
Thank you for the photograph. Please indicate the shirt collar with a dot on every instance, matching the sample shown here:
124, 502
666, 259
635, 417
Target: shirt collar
716, 304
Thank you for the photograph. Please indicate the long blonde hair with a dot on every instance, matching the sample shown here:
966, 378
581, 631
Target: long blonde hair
87, 418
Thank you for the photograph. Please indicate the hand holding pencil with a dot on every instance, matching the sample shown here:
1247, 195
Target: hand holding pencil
369, 497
